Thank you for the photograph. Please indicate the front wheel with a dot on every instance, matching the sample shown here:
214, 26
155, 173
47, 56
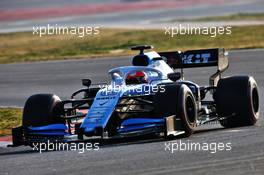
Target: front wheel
187, 110
177, 99
42, 109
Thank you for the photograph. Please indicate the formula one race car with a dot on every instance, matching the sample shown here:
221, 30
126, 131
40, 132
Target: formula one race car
148, 98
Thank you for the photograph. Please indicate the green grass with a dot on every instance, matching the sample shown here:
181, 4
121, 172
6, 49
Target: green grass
9, 118
234, 17
25, 47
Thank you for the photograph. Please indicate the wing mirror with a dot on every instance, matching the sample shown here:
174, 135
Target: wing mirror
86, 82
174, 76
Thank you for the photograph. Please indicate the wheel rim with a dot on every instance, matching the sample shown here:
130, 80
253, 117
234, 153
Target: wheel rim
255, 100
190, 109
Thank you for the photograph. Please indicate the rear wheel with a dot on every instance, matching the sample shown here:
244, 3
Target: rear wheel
42, 109
237, 101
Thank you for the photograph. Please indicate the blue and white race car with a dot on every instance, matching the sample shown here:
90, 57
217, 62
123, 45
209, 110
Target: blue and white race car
148, 98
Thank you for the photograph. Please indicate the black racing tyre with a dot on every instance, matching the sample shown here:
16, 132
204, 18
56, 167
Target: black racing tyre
178, 99
42, 109
166, 99
237, 101
187, 110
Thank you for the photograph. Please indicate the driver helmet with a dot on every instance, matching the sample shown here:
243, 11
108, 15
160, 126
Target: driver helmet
138, 77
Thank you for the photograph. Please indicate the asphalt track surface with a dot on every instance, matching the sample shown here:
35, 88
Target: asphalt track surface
144, 157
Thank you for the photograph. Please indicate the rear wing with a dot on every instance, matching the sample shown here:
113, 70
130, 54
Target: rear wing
199, 58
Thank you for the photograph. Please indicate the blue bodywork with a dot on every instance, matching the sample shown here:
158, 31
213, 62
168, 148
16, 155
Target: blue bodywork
100, 111
136, 124
49, 130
